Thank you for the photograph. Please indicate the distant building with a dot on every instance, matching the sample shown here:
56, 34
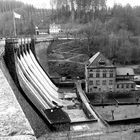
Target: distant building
41, 31
125, 79
36, 30
54, 28
102, 76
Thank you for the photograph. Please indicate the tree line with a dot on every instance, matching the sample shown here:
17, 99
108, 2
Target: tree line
9, 5
113, 31
77, 10
117, 37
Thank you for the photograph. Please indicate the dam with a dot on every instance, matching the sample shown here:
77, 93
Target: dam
59, 113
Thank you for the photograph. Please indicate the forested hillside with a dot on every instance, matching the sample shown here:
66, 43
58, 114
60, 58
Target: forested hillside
113, 31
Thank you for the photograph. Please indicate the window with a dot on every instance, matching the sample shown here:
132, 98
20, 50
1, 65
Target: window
90, 90
104, 82
90, 75
101, 62
105, 70
91, 70
104, 75
122, 85
127, 85
97, 75
118, 86
97, 82
132, 86
98, 70
127, 74
111, 70
110, 82
90, 82
111, 74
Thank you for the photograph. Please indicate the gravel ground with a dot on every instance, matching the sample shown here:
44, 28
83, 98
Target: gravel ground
120, 112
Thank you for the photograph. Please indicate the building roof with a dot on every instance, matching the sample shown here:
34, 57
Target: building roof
124, 71
55, 25
97, 59
94, 57
56, 115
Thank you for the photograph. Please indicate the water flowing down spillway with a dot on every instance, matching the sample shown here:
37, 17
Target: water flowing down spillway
37, 81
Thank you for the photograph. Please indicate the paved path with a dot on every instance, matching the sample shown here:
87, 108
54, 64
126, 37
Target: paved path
78, 55
66, 61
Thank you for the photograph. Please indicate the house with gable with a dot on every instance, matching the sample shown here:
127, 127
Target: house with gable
102, 76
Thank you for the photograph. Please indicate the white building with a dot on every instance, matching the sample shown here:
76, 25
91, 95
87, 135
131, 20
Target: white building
102, 76
54, 28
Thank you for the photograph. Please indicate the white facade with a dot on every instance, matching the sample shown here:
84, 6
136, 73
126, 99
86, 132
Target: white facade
101, 79
102, 76
54, 28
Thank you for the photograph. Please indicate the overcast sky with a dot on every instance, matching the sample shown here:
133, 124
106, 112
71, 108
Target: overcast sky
123, 2
46, 3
